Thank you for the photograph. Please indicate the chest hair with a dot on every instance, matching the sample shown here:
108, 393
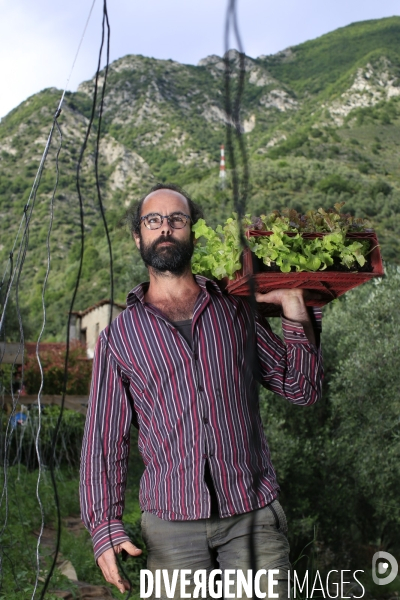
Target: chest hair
178, 309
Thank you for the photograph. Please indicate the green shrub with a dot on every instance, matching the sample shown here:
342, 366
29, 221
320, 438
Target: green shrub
335, 183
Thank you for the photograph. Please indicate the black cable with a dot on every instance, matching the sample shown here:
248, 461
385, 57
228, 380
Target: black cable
232, 110
101, 109
240, 188
96, 162
65, 379
68, 340
105, 24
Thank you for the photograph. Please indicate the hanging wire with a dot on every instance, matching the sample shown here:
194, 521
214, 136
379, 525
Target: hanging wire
78, 49
105, 25
37, 438
234, 130
101, 109
97, 151
240, 189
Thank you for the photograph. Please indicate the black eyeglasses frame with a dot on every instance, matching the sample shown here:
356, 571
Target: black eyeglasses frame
165, 217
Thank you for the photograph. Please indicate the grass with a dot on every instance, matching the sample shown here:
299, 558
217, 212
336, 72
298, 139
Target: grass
22, 517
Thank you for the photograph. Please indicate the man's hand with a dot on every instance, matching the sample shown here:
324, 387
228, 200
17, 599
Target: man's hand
291, 300
108, 564
293, 306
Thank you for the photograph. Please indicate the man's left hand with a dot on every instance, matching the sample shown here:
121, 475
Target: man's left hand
292, 302
293, 306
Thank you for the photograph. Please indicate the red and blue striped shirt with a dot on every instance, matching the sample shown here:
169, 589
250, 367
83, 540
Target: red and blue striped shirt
191, 406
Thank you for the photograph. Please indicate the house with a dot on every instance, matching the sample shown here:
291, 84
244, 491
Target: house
85, 325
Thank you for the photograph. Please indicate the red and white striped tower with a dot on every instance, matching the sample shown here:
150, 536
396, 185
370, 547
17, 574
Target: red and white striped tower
222, 173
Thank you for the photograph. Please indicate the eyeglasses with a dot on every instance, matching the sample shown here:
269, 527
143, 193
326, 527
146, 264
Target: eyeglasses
175, 220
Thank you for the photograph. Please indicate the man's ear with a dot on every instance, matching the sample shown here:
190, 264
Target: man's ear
136, 237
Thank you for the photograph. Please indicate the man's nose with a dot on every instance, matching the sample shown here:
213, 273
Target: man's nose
166, 228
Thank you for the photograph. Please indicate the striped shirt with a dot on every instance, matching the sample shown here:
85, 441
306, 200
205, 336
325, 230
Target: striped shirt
191, 406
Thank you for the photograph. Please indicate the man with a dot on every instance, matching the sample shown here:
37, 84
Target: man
176, 361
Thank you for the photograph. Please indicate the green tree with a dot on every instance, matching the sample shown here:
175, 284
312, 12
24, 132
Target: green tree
338, 462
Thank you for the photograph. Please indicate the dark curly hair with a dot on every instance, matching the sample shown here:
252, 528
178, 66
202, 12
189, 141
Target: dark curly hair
132, 215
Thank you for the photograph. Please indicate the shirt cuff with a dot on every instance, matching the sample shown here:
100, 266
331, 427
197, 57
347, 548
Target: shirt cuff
293, 332
107, 535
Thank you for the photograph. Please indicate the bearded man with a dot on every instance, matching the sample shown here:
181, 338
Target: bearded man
175, 363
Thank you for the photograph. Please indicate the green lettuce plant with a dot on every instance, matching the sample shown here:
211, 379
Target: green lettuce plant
218, 251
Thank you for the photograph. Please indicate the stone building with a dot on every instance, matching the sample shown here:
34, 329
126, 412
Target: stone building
86, 325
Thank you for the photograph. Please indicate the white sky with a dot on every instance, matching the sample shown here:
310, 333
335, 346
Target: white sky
39, 38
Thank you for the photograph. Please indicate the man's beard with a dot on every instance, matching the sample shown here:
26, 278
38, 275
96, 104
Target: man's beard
174, 258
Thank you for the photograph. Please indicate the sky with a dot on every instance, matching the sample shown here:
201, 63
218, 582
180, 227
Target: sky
39, 38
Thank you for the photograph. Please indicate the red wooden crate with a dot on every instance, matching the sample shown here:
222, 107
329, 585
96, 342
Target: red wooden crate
329, 284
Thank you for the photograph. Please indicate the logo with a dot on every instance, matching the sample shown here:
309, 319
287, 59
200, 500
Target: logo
385, 564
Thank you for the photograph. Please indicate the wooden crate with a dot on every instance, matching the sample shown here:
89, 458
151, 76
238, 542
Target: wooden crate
328, 284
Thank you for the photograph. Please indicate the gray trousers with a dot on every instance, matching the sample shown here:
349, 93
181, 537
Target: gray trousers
209, 544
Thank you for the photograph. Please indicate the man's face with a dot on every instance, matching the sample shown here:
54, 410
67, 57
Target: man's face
165, 249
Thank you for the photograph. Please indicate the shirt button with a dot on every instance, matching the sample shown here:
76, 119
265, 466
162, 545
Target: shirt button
196, 356
201, 389
205, 421
205, 456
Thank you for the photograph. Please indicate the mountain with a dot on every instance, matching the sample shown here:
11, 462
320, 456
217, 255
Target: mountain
321, 123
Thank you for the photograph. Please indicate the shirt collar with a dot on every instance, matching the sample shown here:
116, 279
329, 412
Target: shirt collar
138, 292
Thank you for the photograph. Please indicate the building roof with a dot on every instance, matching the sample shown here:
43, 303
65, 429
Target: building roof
82, 313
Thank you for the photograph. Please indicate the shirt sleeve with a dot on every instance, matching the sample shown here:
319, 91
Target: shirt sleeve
105, 450
293, 367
